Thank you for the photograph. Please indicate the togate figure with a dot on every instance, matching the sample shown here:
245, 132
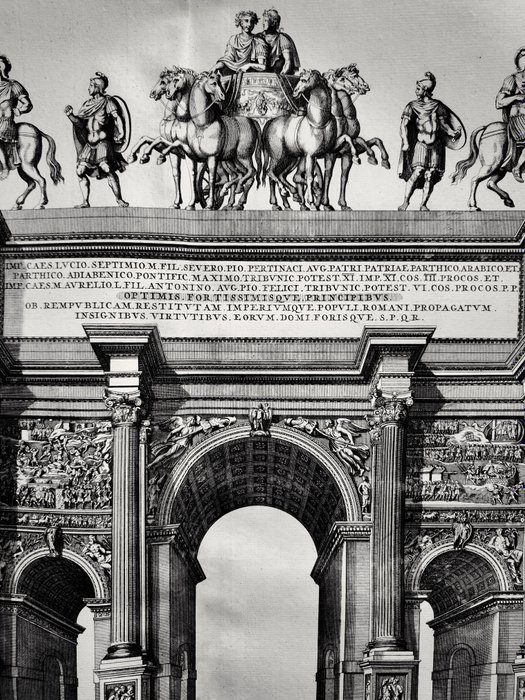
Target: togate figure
499, 146
101, 132
428, 127
340, 434
245, 50
21, 143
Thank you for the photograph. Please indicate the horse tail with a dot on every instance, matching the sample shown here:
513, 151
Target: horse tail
258, 155
463, 165
55, 168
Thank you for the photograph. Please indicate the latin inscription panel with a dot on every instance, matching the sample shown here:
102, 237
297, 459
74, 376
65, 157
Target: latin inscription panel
49, 297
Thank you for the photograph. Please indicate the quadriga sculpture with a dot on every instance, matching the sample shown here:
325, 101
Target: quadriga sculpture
221, 147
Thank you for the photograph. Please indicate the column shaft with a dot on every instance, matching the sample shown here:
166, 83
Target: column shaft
125, 581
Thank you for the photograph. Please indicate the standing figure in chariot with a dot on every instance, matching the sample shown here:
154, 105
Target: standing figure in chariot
427, 128
282, 57
101, 131
245, 51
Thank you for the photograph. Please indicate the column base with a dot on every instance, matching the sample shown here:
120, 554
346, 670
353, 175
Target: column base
123, 650
131, 672
388, 669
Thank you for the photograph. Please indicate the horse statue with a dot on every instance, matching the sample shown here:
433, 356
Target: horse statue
174, 85
290, 139
488, 143
344, 83
225, 145
29, 144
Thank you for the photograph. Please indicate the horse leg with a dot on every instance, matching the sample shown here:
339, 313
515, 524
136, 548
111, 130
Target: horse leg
31, 184
175, 171
360, 142
344, 138
31, 170
193, 166
136, 148
329, 162
309, 169
155, 145
346, 166
212, 170
385, 161
492, 184
246, 181
484, 172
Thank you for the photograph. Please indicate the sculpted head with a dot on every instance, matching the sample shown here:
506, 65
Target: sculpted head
271, 19
98, 84
246, 20
426, 85
5, 65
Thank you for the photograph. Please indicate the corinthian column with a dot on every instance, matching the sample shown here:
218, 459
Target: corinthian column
125, 579
389, 425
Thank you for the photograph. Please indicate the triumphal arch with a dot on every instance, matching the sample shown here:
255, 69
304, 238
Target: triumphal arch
361, 371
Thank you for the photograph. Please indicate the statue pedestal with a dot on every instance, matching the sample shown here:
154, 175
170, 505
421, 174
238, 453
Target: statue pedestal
383, 668
131, 672
519, 676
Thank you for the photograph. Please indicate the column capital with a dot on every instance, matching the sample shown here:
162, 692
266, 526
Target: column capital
389, 407
125, 408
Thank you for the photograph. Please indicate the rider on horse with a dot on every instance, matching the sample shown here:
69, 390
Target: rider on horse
511, 100
14, 101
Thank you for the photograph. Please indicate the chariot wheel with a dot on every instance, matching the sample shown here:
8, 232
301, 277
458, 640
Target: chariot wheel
203, 189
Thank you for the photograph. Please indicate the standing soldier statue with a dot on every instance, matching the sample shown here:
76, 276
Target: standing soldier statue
101, 131
14, 101
427, 127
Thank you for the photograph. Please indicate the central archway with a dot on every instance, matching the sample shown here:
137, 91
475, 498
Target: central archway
233, 469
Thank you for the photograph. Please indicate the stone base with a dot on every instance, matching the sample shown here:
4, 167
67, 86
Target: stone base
383, 668
134, 672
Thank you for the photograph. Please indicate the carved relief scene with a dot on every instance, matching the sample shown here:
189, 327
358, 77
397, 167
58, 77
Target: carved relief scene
466, 461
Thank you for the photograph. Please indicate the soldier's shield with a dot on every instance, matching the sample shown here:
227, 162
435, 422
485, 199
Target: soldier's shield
126, 120
457, 125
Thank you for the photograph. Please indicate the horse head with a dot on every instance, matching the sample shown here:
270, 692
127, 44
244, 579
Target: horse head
172, 81
349, 80
308, 80
210, 82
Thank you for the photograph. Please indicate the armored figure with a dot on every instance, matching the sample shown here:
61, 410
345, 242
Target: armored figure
282, 54
101, 131
244, 51
511, 100
14, 101
427, 127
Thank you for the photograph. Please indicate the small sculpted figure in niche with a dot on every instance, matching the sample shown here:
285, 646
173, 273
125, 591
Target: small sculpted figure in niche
245, 51
101, 131
427, 128
54, 539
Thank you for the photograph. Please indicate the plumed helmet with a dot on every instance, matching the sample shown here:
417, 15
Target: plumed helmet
101, 80
428, 82
519, 53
